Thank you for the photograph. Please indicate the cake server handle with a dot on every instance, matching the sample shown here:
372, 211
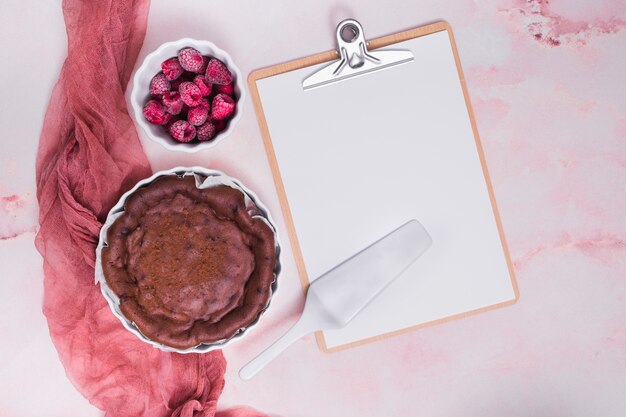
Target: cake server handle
303, 326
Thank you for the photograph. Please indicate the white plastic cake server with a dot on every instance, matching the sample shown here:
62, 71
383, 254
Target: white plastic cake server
336, 297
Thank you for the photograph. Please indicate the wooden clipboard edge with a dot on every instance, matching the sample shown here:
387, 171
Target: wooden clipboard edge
282, 196
483, 163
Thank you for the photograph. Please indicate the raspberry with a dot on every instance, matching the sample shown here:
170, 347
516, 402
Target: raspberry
182, 131
197, 115
155, 113
205, 88
206, 132
217, 73
205, 62
190, 59
159, 85
172, 69
205, 103
172, 120
172, 102
222, 107
190, 93
226, 89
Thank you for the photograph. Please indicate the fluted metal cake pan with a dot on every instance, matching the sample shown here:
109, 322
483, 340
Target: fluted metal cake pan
205, 178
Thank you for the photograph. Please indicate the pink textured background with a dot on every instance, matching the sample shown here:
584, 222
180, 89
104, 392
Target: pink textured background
548, 88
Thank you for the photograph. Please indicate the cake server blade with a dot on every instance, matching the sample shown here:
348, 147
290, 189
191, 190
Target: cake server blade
337, 296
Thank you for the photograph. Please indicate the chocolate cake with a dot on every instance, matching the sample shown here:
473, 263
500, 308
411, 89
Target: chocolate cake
189, 265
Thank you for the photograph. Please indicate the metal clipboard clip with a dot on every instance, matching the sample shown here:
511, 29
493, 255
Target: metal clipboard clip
355, 60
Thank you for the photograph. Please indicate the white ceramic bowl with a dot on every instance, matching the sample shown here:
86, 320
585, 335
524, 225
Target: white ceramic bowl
152, 65
201, 174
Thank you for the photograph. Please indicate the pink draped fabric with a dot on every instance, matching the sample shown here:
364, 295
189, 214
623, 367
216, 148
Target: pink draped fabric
89, 154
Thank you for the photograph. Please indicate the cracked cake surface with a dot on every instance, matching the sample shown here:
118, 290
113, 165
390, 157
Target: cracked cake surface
189, 265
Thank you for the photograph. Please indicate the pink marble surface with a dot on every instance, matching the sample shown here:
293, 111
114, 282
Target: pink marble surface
547, 84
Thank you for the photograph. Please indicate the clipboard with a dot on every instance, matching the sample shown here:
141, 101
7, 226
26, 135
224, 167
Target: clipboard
353, 160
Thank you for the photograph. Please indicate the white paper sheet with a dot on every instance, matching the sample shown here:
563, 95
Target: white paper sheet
361, 157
